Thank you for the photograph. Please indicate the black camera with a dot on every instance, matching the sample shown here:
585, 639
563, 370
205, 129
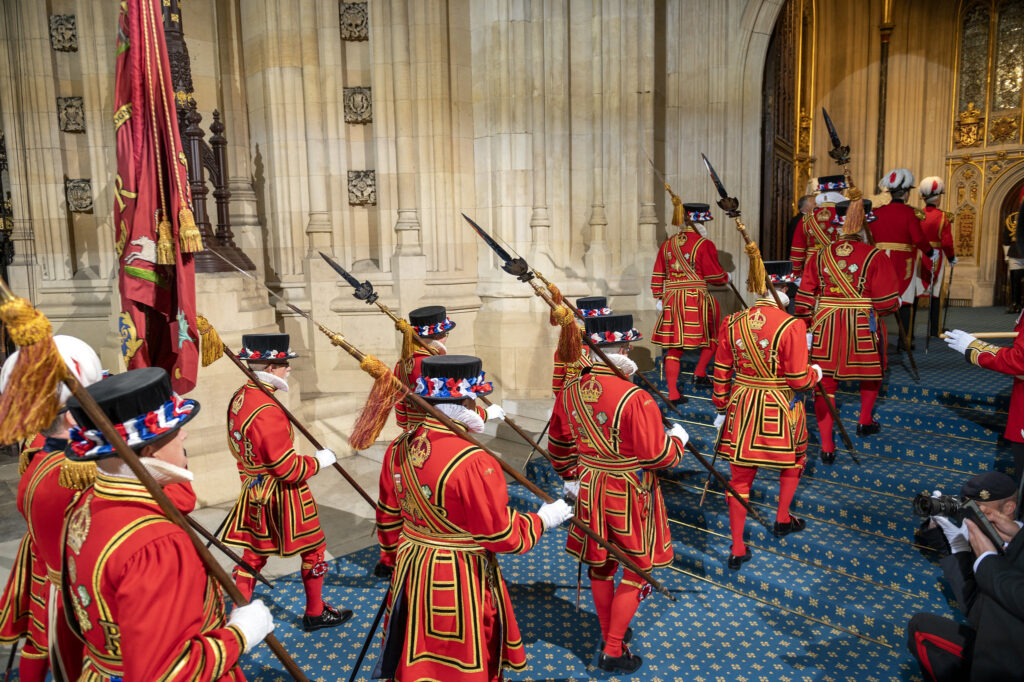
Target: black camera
951, 506
957, 508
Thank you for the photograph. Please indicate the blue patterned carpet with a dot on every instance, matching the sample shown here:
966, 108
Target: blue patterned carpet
830, 603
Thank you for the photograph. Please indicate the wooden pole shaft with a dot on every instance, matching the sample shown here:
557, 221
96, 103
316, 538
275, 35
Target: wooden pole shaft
299, 425
98, 417
228, 552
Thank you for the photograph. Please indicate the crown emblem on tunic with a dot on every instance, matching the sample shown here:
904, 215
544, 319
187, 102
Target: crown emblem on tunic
591, 390
757, 319
419, 450
844, 249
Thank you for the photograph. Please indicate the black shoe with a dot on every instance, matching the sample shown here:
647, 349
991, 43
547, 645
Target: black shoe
331, 617
828, 456
868, 429
703, 381
626, 638
627, 663
794, 525
681, 400
736, 561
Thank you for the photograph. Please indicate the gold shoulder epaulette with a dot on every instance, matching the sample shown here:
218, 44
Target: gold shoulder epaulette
77, 475
919, 214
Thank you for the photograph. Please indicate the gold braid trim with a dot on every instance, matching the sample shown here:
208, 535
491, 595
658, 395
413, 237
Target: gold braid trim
77, 475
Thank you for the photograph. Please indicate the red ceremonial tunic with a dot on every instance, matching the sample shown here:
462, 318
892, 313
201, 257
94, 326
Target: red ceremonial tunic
813, 232
938, 230
608, 433
849, 342
1007, 361
442, 515
897, 232
566, 372
276, 512
140, 596
23, 606
686, 264
762, 352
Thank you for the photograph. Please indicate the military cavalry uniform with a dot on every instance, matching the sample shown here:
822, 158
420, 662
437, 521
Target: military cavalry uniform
686, 264
897, 233
760, 366
47, 487
442, 516
275, 513
937, 227
817, 228
564, 372
607, 434
845, 291
432, 324
132, 583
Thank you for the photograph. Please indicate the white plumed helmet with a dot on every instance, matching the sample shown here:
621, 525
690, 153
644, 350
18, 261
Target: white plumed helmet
896, 180
932, 186
79, 356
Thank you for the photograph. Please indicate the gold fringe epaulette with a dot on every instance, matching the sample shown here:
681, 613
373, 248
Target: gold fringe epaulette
77, 475
24, 458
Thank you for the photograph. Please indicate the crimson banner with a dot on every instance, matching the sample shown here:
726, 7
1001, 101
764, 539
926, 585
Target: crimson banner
155, 230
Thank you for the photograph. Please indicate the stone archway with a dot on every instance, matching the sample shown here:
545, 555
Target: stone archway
989, 246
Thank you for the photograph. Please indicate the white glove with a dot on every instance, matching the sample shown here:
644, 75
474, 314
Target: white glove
494, 411
959, 340
658, 305
254, 622
679, 432
728, 277
326, 458
554, 514
817, 370
797, 281
810, 340
955, 260
571, 488
719, 420
936, 256
955, 535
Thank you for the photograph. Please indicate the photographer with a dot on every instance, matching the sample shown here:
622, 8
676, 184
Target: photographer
989, 588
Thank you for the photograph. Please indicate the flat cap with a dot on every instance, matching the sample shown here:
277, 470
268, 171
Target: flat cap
989, 486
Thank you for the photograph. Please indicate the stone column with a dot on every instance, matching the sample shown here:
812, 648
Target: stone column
649, 181
318, 226
597, 258
540, 218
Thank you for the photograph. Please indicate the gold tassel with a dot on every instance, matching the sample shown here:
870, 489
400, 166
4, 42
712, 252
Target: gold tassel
678, 214
854, 217
570, 343
209, 341
757, 275
188, 234
164, 244
408, 345
387, 390
30, 402
77, 475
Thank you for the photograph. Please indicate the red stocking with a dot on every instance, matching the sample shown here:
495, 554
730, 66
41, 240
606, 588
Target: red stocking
829, 386
868, 396
627, 599
314, 568
602, 588
33, 669
245, 581
742, 478
788, 478
706, 356
672, 358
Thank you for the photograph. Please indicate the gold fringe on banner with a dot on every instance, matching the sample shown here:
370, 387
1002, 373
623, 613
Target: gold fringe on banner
188, 233
386, 391
209, 341
30, 403
757, 275
164, 243
77, 475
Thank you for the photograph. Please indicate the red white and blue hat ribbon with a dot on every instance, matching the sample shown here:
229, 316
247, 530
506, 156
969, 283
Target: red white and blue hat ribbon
616, 337
248, 354
832, 185
595, 312
869, 217
137, 431
436, 328
441, 387
699, 216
